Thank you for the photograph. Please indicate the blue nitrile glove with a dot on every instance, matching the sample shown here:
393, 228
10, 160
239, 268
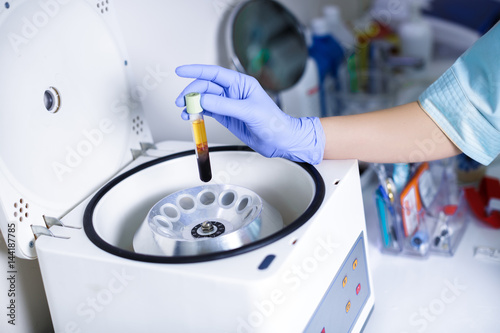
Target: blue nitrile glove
239, 103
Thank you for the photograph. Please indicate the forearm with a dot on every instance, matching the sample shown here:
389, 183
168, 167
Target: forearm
401, 134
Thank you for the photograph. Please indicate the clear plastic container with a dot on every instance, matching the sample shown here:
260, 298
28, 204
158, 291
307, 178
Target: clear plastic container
429, 219
448, 212
395, 239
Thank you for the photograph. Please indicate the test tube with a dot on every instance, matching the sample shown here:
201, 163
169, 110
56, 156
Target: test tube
194, 109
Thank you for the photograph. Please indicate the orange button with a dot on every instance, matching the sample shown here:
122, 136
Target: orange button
344, 281
355, 264
348, 306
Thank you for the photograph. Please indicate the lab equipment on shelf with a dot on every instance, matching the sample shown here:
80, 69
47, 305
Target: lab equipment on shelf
329, 55
338, 29
416, 35
428, 214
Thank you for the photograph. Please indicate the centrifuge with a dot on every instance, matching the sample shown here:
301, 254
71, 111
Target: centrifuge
126, 236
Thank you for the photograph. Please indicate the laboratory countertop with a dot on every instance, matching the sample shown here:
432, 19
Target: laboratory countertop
439, 293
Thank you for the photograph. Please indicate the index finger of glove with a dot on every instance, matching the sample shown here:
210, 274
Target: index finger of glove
226, 107
222, 76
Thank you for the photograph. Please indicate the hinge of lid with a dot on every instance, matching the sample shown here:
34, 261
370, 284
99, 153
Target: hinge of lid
145, 146
39, 230
51, 221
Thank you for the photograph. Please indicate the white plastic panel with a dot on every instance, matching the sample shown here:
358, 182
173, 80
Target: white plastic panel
52, 158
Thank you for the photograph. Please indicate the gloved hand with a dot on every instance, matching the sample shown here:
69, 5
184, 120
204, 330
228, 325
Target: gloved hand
239, 103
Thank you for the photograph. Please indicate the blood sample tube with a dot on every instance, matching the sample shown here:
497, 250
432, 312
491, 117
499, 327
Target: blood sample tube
193, 108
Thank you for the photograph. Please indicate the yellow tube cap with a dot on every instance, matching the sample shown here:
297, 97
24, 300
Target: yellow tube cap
193, 104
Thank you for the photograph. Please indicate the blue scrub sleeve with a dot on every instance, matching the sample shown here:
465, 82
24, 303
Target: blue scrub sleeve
465, 101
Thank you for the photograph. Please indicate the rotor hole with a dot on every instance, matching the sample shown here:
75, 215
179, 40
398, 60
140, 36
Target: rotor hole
227, 199
162, 222
207, 198
243, 204
250, 214
170, 211
186, 203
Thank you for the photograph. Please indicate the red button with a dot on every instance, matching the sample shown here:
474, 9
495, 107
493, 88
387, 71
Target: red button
358, 288
450, 209
323, 330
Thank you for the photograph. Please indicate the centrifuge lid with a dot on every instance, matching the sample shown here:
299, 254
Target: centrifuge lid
66, 118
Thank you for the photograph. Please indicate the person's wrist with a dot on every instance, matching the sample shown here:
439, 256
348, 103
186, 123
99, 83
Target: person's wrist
317, 141
309, 141
320, 140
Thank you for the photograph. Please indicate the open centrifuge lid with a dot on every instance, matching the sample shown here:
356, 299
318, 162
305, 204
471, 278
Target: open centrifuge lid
67, 118
91, 225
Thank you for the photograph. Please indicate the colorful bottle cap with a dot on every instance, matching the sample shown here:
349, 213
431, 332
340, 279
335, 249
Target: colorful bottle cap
193, 104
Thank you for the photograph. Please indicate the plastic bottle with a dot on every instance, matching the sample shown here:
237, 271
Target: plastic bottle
416, 34
338, 28
303, 100
328, 54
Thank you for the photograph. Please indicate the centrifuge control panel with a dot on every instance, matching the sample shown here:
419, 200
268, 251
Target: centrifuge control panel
346, 296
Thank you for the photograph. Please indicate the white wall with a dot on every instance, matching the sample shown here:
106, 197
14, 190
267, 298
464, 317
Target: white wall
161, 35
